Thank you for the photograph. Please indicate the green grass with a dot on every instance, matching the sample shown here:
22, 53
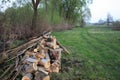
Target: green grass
95, 54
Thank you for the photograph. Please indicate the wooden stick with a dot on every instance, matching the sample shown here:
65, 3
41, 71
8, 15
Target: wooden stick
65, 50
6, 71
20, 53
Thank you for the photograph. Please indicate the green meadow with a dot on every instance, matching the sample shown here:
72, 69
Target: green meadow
95, 54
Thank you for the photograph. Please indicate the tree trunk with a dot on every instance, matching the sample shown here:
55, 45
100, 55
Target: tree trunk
35, 8
46, 6
53, 10
34, 20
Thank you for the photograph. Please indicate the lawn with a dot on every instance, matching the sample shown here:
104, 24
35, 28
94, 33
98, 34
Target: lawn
95, 54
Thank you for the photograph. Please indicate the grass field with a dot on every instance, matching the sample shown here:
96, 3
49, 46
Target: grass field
95, 54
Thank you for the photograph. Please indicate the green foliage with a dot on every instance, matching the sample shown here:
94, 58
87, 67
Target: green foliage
18, 19
116, 24
75, 10
71, 11
20, 15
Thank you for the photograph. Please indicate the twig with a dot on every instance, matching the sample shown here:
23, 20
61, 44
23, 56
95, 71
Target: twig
6, 71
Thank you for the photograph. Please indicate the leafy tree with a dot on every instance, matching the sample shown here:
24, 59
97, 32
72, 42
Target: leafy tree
75, 10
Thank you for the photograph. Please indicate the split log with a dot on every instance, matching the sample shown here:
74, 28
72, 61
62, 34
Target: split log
27, 76
28, 53
55, 67
56, 53
32, 60
40, 54
45, 63
46, 78
41, 76
30, 68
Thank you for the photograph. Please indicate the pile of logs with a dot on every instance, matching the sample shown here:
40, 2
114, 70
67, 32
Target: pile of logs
37, 61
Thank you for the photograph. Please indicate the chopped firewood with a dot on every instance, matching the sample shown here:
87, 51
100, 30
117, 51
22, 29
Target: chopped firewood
30, 68
41, 76
35, 50
34, 60
29, 53
27, 76
40, 55
43, 70
31, 60
45, 63
55, 67
46, 78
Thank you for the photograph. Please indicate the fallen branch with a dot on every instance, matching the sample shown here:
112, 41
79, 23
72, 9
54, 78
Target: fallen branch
64, 49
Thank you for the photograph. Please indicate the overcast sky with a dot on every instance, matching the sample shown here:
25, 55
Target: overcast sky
100, 8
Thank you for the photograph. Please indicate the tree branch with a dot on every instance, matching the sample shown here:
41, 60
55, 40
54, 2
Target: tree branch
33, 2
37, 2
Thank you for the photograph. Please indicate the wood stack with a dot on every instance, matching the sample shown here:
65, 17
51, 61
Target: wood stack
34, 60
43, 59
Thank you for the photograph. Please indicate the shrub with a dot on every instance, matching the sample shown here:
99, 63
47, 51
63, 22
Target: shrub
116, 25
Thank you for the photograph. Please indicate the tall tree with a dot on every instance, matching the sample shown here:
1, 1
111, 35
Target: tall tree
74, 10
35, 8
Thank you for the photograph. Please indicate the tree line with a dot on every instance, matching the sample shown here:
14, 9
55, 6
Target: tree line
27, 18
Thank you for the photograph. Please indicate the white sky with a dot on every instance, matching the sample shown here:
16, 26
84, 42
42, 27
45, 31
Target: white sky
100, 8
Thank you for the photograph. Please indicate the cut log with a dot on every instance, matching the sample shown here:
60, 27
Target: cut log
35, 66
45, 63
29, 53
40, 54
27, 69
27, 76
46, 78
55, 67
41, 76
43, 70
32, 60
56, 53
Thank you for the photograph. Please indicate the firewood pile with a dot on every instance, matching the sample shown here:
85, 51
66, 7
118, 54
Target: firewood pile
35, 62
